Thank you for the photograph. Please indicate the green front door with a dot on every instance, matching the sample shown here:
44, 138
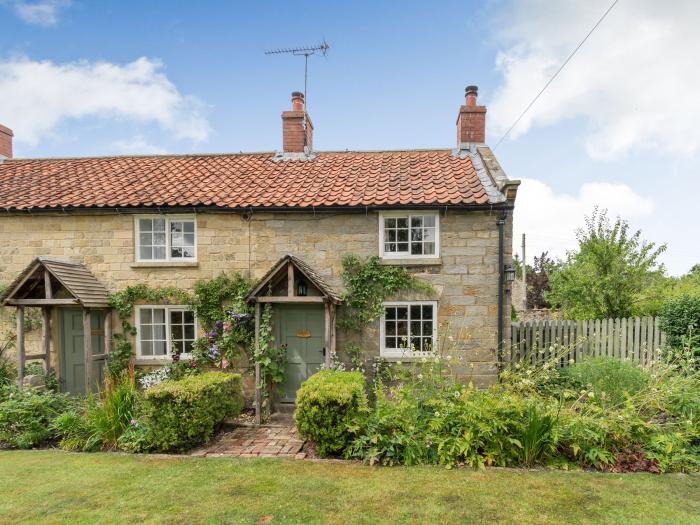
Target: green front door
71, 350
301, 329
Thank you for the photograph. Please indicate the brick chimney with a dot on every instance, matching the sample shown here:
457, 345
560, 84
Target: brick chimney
293, 127
5, 142
471, 121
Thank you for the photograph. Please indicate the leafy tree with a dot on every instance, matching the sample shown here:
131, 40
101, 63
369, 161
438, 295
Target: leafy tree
609, 274
537, 278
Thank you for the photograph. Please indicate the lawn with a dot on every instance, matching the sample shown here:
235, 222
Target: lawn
59, 487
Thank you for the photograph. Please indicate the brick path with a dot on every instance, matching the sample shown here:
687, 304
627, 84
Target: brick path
250, 441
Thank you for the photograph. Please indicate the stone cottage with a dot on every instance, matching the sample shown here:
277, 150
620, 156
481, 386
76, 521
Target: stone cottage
72, 230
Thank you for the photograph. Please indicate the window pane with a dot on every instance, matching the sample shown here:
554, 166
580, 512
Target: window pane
390, 223
429, 234
159, 332
158, 225
189, 331
427, 311
428, 328
145, 225
176, 331
402, 312
188, 347
145, 252
146, 333
159, 348
402, 328
189, 227
146, 348
390, 312
415, 344
159, 239
416, 222
175, 316
416, 248
145, 239
176, 253
159, 315
417, 234
402, 223
178, 347
188, 253
146, 315
429, 220
391, 235
159, 252
390, 342
189, 239
415, 328
390, 328
415, 311
189, 316
402, 235
403, 247
429, 248
175, 226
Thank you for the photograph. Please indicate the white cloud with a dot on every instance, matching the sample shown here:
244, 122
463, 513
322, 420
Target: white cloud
550, 220
635, 81
137, 146
39, 95
43, 13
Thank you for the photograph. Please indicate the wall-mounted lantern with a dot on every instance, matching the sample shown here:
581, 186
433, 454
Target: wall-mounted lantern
509, 274
302, 289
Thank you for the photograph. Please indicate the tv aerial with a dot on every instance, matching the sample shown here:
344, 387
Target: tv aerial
321, 49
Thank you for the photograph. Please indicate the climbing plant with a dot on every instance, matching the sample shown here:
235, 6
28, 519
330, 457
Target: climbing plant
368, 283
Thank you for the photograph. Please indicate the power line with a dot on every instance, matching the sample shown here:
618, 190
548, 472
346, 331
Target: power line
557, 73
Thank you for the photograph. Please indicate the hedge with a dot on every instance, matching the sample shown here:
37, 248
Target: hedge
328, 403
185, 413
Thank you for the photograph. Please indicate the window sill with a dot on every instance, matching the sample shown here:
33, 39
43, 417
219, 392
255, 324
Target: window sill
165, 264
417, 261
401, 359
158, 361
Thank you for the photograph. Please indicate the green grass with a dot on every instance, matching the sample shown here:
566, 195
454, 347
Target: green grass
59, 487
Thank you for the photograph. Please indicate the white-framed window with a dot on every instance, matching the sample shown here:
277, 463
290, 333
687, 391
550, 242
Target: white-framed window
409, 235
166, 238
408, 328
162, 331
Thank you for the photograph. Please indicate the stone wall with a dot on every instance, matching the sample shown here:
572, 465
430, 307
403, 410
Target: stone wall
465, 279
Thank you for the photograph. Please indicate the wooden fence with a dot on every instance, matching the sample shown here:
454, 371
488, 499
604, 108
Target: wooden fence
634, 338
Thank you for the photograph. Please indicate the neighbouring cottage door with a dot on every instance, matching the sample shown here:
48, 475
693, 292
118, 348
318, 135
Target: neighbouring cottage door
70, 349
301, 329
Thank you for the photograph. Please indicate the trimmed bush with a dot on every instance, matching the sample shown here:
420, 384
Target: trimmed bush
26, 416
185, 413
328, 403
610, 379
677, 317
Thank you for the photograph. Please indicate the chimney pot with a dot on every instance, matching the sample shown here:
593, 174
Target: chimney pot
5, 142
297, 129
471, 121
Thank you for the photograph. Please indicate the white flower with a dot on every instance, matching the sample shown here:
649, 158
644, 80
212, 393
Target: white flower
420, 376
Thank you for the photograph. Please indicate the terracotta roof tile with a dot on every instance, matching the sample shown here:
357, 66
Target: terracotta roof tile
434, 177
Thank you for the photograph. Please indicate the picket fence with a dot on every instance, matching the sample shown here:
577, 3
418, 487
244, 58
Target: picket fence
636, 339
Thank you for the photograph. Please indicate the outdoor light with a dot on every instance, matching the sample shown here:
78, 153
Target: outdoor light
509, 273
301, 288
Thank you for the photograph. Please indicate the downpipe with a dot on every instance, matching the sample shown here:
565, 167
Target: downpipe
501, 286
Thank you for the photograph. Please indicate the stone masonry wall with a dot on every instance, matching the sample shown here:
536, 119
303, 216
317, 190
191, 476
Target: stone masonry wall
465, 278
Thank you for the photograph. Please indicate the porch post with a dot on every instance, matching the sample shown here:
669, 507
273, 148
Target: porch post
46, 336
258, 402
108, 330
87, 348
333, 313
327, 333
20, 346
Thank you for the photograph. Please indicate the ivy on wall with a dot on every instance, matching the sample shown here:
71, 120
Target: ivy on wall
368, 283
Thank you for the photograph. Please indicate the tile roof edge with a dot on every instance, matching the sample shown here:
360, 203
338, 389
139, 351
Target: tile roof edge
272, 154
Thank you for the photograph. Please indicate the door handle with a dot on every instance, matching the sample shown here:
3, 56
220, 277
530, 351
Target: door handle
324, 351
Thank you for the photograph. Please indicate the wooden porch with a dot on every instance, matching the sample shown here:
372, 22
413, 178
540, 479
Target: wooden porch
48, 284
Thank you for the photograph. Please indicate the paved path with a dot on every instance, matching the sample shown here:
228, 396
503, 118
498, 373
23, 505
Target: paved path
251, 441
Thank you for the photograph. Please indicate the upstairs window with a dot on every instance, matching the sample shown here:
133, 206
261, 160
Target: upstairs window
163, 238
407, 235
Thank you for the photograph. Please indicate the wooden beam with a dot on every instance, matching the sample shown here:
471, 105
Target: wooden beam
333, 314
290, 279
327, 334
47, 284
290, 300
20, 346
32, 357
258, 402
46, 337
108, 330
41, 302
87, 348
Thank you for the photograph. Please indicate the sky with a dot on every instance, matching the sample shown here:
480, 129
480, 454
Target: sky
616, 129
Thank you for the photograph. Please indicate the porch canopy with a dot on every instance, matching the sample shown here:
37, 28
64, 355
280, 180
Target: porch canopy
47, 283
292, 281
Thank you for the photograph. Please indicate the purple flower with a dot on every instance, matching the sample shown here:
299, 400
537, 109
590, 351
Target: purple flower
239, 318
218, 326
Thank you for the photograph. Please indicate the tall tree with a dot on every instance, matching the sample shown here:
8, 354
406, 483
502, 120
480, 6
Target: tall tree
609, 273
537, 279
